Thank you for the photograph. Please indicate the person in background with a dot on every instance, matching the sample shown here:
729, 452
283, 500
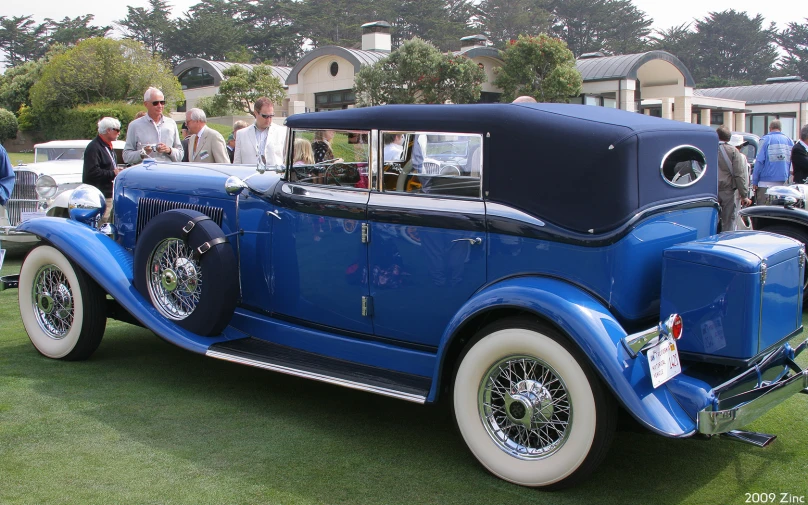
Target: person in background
772, 163
322, 145
100, 168
205, 145
7, 177
393, 146
302, 153
140, 114
263, 141
524, 99
154, 135
184, 135
799, 157
733, 177
231, 140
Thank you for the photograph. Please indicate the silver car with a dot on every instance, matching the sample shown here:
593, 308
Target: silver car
41, 188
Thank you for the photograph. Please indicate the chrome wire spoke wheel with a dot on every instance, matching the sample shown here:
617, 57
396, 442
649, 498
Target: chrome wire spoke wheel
175, 279
52, 301
525, 407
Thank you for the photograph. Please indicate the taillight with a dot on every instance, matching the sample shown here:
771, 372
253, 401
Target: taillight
676, 327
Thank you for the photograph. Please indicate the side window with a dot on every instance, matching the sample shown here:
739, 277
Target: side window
683, 166
330, 158
445, 164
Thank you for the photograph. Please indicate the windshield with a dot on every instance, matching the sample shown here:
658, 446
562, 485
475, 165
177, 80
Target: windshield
62, 153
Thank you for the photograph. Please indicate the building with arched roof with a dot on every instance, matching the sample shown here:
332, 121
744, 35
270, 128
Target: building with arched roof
654, 83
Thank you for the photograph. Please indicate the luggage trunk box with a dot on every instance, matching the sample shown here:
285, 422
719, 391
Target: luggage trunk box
739, 294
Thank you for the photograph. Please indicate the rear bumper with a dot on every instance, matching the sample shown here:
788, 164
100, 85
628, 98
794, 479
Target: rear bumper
736, 404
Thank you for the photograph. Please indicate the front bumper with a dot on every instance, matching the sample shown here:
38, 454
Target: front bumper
10, 234
9, 282
748, 396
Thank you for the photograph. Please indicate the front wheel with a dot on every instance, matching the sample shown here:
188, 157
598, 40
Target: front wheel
61, 307
530, 408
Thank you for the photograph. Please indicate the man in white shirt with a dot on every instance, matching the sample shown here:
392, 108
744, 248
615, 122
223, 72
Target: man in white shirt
205, 145
153, 135
263, 141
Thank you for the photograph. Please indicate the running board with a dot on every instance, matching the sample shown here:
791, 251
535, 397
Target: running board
269, 356
750, 437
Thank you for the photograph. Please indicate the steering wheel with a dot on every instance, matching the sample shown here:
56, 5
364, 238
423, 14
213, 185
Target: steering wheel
342, 173
450, 170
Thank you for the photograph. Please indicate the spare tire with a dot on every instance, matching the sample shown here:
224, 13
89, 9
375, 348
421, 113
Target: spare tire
185, 266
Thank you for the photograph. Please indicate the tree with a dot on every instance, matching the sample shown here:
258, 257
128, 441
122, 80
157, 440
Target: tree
152, 26
677, 40
505, 20
69, 31
101, 70
20, 39
8, 125
242, 87
272, 30
733, 47
542, 67
417, 72
442, 22
16, 83
615, 26
206, 31
794, 41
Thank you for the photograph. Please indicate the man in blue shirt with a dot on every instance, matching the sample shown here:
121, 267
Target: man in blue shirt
7, 177
773, 162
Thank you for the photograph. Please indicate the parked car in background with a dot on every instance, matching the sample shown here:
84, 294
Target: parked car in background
534, 285
40, 187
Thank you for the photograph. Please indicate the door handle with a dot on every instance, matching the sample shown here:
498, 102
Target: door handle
273, 213
472, 241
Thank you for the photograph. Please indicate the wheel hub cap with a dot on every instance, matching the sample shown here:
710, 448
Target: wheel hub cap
175, 279
525, 407
53, 302
169, 280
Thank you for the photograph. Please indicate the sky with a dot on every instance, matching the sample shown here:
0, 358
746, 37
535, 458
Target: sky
666, 13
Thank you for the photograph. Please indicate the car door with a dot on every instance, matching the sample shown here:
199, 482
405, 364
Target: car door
319, 257
427, 237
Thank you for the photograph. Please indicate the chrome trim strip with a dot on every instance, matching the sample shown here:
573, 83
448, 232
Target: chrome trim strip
318, 377
638, 342
327, 193
500, 210
713, 422
418, 202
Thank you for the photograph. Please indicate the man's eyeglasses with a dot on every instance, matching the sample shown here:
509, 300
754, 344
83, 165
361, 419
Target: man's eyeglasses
267, 116
117, 130
158, 102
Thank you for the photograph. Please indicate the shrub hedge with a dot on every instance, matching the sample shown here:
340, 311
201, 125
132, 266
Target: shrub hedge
82, 122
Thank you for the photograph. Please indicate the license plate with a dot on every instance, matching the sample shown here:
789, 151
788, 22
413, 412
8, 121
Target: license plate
663, 360
25, 216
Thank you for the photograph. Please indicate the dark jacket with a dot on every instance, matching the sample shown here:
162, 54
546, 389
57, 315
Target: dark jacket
799, 160
99, 169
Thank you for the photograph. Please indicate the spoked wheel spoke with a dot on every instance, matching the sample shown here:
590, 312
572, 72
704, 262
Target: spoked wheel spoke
175, 279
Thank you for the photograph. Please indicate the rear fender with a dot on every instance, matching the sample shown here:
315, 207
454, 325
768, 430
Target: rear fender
592, 327
110, 265
763, 215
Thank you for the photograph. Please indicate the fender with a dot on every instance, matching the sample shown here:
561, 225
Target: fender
598, 334
775, 213
110, 265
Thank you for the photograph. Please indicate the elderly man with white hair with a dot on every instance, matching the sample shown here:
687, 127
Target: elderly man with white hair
154, 135
100, 167
205, 145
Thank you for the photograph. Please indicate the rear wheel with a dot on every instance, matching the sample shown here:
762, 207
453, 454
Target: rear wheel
800, 234
62, 308
530, 408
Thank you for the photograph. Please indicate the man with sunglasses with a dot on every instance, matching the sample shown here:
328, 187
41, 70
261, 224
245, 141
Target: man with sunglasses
263, 141
154, 135
100, 166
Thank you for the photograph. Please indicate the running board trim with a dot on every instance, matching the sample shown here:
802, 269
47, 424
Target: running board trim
318, 377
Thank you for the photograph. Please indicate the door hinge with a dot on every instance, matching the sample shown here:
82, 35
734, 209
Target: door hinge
763, 270
367, 306
365, 233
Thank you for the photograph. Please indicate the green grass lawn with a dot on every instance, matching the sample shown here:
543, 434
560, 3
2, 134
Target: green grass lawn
16, 158
144, 422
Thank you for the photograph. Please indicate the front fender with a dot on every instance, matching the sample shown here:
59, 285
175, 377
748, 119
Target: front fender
593, 328
110, 265
775, 213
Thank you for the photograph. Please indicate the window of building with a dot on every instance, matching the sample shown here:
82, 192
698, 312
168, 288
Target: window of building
333, 69
334, 100
195, 78
759, 124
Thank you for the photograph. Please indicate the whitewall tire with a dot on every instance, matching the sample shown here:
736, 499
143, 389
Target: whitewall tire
62, 308
529, 406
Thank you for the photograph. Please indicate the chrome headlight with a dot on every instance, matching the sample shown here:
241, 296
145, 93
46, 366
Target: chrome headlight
46, 187
87, 205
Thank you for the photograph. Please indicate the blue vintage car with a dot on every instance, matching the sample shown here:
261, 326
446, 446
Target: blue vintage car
535, 266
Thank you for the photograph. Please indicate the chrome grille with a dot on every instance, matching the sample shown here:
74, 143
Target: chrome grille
147, 208
23, 196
